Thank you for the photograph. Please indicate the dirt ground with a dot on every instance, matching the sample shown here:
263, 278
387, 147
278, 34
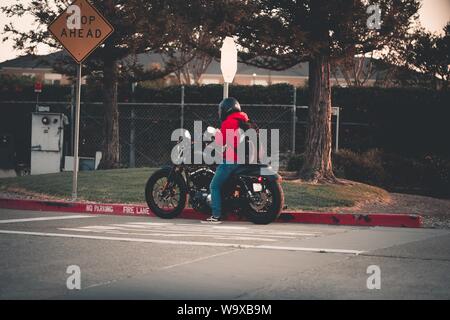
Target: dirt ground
436, 212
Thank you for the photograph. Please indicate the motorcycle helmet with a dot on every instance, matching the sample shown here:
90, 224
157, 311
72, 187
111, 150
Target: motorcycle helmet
228, 106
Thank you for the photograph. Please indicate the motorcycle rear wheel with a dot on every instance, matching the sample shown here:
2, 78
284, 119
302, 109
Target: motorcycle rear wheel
273, 211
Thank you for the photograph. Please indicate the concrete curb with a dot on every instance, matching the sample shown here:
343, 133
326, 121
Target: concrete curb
348, 219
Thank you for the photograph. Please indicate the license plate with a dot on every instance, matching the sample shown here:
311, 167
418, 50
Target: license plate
257, 187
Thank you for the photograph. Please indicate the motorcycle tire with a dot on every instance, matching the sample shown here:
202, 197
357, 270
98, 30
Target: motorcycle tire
273, 211
178, 181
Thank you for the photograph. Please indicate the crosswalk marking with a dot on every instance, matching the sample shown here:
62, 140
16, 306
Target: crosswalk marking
172, 235
177, 231
212, 232
212, 227
208, 228
190, 243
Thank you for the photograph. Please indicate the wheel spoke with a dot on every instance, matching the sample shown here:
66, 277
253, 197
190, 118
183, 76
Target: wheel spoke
264, 203
166, 198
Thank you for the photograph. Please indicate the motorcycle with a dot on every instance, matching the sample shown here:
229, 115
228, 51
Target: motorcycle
247, 193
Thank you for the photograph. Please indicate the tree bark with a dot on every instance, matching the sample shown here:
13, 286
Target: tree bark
317, 165
111, 146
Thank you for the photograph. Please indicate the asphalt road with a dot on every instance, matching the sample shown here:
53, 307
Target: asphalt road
149, 258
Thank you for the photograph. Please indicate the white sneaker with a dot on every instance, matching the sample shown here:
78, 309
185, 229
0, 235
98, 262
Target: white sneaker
212, 220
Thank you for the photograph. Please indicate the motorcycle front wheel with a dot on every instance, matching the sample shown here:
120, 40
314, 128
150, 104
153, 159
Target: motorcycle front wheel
166, 197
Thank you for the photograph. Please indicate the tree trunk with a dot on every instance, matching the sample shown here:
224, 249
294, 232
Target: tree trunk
317, 157
111, 146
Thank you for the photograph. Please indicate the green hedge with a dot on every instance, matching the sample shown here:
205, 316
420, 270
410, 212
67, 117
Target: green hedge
428, 175
407, 121
276, 94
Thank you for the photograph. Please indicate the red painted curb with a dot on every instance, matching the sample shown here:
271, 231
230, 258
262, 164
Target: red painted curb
367, 220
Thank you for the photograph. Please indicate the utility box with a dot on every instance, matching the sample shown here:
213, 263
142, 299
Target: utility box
47, 137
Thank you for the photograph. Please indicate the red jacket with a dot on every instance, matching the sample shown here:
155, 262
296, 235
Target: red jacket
229, 127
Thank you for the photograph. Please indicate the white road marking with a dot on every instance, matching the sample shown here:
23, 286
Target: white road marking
208, 229
199, 259
202, 227
46, 218
191, 243
153, 223
173, 235
101, 228
319, 250
133, 229
229, 227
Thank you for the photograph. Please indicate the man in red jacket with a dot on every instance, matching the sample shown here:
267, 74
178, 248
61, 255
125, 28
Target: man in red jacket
230, 115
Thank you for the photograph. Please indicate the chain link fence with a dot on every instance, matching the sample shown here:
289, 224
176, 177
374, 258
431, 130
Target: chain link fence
145, 129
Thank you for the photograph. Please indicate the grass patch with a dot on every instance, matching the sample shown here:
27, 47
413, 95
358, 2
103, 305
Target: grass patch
320, 197
121, 185
127, 186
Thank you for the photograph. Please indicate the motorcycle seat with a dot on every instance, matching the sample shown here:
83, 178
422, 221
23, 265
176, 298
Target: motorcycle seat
248, 168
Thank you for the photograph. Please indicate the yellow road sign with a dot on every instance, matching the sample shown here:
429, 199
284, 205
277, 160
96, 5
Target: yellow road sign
80, 29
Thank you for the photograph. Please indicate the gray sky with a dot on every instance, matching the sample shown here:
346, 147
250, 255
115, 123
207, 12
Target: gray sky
434, 14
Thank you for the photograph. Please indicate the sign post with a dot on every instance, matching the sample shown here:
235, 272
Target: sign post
80, 29
228, 63
37, 90
76, 159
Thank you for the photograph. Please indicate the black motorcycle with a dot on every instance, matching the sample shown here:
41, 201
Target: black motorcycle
247, 193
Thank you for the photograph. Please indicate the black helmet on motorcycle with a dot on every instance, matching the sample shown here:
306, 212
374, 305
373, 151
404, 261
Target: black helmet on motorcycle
227, 107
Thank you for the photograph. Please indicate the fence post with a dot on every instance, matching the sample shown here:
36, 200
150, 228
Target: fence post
182, 108
337, 128
294, 119
132, 160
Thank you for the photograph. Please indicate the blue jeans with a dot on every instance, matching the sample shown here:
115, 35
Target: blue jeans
222, 174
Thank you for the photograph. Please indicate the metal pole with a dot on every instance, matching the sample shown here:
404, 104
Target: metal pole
337, 129
72, 119
182, 108
294, 119
77, 135
132, 160
225, 89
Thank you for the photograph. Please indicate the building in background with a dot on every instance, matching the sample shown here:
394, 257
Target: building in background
37, 67
40, 68
246, 75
